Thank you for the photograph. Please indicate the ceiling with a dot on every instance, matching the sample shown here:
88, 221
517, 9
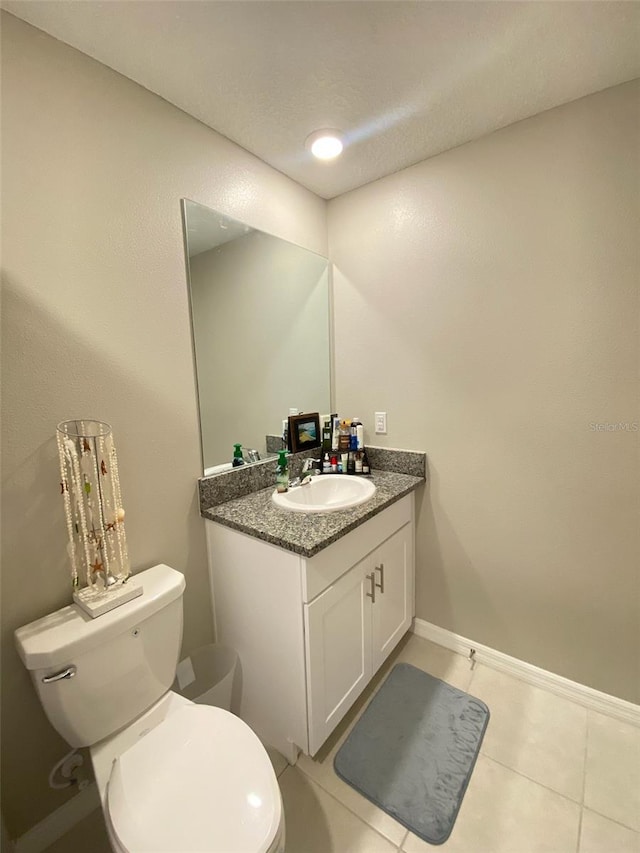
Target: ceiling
403, 80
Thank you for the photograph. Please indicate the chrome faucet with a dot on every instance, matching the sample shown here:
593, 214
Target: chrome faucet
314, 465
310, 467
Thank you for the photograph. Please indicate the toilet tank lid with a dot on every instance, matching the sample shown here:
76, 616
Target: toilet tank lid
59, 637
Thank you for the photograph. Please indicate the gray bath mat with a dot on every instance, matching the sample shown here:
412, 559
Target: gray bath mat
413, 749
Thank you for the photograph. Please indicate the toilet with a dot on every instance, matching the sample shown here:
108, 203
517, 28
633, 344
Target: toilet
172, 775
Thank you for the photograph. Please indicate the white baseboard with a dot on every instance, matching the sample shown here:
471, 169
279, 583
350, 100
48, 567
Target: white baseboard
580, 693
59, 822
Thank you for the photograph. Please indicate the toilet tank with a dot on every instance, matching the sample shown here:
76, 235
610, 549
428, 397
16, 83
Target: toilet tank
124, 660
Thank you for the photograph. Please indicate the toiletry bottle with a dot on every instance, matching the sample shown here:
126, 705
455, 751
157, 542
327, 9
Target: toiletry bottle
351, 462
326, 464
326, 436
345, 437
358, 456
335, 433
366, 468
358, 430
353, 442
282, 472
238, 459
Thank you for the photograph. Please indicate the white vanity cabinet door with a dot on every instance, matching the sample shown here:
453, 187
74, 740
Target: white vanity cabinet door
349, 635
338, 630
392, 612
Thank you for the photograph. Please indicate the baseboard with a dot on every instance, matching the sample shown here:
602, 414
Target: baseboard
580, 693
59, 822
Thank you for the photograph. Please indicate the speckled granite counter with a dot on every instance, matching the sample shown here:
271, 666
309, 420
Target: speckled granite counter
308, 533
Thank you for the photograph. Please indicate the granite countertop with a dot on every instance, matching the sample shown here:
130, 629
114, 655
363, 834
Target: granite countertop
307, 533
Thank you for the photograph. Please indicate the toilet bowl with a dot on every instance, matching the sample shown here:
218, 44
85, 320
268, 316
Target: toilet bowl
173, 776
187, 777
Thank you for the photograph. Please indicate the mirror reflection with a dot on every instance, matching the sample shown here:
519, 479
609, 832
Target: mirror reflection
260, 322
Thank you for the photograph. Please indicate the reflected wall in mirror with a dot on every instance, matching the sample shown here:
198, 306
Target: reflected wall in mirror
260, 322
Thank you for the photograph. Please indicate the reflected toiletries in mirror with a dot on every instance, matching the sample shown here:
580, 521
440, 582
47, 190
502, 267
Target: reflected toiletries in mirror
260, 322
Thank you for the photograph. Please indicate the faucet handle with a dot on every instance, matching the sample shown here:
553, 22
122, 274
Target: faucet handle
308, 464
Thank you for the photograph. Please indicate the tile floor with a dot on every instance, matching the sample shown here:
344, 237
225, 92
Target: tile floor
551, 777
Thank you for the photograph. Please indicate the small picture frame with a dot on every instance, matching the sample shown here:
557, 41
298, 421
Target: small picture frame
304, 432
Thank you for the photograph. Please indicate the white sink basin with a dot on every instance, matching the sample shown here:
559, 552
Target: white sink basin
326, 493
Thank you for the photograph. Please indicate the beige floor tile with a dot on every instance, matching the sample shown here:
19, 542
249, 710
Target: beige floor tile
612, 784
87, 835
540, 735
601, 835
436, 660
316, 823
503, 812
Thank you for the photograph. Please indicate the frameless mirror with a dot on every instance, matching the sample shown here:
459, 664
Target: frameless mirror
260, 322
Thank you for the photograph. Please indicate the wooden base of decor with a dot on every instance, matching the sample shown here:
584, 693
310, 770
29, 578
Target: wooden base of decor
96, 602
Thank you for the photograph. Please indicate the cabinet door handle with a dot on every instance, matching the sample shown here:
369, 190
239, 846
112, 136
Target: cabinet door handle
380, 569
372, 594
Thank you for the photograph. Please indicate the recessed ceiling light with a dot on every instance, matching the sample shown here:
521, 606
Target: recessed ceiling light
325, 144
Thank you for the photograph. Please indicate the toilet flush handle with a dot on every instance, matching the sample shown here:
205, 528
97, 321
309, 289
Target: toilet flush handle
69, 672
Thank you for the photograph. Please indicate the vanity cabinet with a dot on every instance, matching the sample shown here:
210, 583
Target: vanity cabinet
311, 632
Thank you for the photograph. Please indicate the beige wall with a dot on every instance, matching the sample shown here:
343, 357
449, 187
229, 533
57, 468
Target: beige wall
487, 299
95, 323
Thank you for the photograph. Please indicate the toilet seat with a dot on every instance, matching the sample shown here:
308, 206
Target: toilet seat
200, 780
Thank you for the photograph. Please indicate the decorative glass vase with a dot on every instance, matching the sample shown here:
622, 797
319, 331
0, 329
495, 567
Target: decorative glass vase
90, 487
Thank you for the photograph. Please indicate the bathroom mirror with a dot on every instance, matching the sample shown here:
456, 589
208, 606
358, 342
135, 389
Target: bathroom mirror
260, 322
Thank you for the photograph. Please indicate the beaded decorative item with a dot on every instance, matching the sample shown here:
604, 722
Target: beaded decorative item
90, 488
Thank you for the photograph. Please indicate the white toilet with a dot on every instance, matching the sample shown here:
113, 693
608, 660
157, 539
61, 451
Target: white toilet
173, 776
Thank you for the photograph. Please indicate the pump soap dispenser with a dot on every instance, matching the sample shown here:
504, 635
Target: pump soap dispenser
282, 472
